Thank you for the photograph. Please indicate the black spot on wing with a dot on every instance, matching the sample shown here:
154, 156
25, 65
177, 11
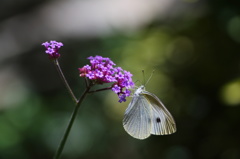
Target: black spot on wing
158, 120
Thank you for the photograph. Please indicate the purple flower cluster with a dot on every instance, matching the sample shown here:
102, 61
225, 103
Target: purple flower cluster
102, 70
52, 48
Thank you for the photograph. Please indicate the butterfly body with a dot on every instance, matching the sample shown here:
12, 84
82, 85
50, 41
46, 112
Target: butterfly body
147, 115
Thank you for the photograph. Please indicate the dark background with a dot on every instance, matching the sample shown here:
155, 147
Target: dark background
193, 46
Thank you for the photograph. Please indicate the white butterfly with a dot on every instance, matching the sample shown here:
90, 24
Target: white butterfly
147, 115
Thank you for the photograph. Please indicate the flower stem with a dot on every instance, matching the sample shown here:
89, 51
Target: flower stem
74, 114
102, 89
65, 81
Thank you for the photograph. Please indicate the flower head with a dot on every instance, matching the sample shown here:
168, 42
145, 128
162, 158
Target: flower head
52, 48
102, 70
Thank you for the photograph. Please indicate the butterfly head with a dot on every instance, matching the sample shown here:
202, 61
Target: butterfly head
139, 90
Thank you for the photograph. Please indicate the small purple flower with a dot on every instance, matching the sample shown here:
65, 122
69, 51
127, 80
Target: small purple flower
99, 74
116, 89
118, 69
127, 92
52, 48
90, 75
102, 70
119, 75
110, 78
84, 70
122, 98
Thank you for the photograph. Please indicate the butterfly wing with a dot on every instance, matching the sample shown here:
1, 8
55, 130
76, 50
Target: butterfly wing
162, 121
137, 118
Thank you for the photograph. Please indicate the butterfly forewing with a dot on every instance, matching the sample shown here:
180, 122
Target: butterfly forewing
162, 121
137, 118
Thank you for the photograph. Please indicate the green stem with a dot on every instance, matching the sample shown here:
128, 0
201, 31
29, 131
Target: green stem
65, 81
102, 89
74, 114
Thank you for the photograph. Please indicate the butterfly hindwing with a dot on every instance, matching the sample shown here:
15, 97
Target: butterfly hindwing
137, 118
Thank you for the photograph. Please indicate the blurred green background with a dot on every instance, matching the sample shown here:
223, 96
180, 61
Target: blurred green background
193, 46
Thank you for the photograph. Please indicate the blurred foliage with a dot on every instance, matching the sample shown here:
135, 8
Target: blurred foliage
197, 69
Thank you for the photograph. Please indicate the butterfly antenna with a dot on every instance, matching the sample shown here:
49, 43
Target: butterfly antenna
143, 77
150, 77
136, 82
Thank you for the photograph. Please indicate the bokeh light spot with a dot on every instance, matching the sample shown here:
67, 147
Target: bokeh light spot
231, 93
234, 28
